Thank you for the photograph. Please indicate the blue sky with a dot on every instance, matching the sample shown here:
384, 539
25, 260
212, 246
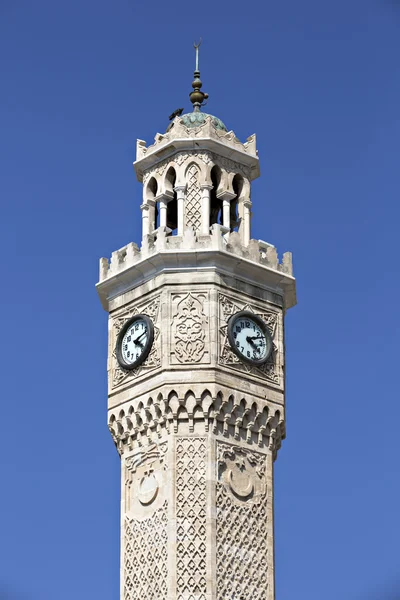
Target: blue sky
319, 82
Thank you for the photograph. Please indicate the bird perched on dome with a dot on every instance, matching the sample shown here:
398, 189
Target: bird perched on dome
176, 113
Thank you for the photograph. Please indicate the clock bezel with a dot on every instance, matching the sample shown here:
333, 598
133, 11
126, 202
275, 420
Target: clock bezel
261, 324
147, 348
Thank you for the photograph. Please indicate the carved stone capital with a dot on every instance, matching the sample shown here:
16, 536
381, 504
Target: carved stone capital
226, 195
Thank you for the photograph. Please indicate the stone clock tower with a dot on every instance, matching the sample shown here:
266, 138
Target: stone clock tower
196, 370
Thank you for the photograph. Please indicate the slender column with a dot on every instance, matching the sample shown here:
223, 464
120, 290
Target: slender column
246, 217
226, 198
226, 209
205, 217
163, 213
145, 220
180, 195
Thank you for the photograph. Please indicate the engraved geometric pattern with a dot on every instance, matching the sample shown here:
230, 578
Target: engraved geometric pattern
269, 370
242, 547
145, 559
193, 198
191, 519
151, 308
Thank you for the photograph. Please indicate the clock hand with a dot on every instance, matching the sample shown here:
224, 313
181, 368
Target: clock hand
136, 340
250, 341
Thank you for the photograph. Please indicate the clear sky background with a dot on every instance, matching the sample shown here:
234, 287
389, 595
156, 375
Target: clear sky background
319, 82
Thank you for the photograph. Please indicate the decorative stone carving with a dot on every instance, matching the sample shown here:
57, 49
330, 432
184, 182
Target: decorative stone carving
193, 198
190, 328
180, 158
146, 557
242, 473
223, 413
145, 480
242, 525
231, 166
151, 308
269, 370
191, 543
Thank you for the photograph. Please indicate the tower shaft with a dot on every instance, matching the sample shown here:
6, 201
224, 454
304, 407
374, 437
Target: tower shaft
197, 410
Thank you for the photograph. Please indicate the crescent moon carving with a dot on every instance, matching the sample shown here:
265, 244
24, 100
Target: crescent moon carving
239, 491
148, 490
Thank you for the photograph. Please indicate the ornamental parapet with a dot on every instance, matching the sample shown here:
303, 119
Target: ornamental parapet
220, 239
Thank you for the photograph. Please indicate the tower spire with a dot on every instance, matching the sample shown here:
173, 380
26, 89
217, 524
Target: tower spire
197, 97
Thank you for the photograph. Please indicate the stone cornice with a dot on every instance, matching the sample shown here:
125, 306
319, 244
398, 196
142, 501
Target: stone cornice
257, 263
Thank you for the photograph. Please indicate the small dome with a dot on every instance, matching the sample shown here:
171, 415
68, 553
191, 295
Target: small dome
194, 119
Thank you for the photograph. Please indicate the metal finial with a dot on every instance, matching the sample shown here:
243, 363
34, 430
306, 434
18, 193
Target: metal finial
197, 46
197, 97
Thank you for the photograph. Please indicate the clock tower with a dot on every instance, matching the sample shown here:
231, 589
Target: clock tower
196, 370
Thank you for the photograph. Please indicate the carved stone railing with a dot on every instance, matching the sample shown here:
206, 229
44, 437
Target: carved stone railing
219, 239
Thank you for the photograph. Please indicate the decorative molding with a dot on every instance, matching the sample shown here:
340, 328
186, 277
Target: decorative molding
230, 166
190, 328
145, 557
271, 369
246, 419
179, 158
191, 522
242, 525
151, 308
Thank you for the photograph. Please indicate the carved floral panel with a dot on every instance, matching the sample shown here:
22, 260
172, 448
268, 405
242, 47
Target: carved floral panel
242, 524
190, 328
272, 369
151, 308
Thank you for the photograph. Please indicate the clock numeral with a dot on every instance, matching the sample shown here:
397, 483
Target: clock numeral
247, 323
128, 339
136, 326
248, 353
238, 328
125, 346
234, 335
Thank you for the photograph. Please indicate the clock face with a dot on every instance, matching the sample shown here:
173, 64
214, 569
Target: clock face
249, 337
134, 341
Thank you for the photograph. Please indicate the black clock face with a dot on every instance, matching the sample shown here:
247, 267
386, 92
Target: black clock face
135, 341
249, 337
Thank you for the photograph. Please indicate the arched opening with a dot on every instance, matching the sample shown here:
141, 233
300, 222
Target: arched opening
151, 193
215, 203
172, 206
235, 217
